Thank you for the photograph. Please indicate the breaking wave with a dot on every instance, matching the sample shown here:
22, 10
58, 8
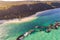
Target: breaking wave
11, 29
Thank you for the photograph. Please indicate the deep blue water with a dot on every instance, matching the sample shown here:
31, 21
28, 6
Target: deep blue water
11, 30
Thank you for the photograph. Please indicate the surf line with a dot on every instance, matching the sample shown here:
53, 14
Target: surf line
48, 29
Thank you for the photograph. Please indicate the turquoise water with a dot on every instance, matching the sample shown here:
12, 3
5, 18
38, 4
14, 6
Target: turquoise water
53, 35
10, 31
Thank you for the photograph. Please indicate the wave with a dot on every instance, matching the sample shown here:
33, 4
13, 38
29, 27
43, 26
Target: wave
11, 29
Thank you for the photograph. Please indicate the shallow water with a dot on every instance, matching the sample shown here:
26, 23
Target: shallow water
53, 35
11, 30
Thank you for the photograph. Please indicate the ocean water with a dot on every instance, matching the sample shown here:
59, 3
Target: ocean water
11, 29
